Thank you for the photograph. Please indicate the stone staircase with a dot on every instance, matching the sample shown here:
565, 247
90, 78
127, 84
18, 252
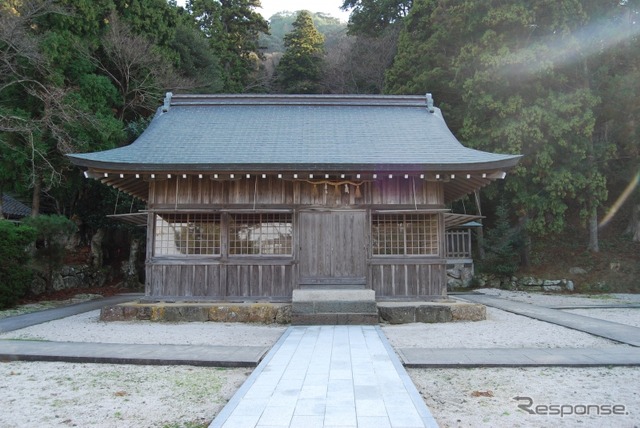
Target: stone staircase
334, 307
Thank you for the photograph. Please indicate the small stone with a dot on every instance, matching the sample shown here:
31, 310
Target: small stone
577, 271
468, 312
529, 281
569, 285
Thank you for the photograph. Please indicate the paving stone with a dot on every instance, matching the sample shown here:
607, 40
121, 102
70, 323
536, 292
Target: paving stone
330, 398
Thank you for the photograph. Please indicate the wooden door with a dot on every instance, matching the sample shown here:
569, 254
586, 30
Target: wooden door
333, 249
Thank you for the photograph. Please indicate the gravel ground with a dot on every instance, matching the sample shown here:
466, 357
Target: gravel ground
550, 299
96, 395
500, 330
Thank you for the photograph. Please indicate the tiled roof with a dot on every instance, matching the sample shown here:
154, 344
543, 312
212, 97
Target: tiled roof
14, 209
279, 132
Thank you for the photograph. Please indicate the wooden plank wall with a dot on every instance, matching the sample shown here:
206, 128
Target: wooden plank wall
259, 278
194, 192
222, 281
397, 280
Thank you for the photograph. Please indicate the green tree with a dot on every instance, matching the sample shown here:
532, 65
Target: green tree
519, 77
281, 23
232, 28
373, 17
15, 274
38, 112
300, 69
197, 61
500, 244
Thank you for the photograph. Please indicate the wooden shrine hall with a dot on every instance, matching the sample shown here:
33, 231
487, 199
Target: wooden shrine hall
250, 197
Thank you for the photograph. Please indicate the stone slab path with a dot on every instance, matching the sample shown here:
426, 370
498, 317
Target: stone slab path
610, 330
324, 376
118, 353
520, 357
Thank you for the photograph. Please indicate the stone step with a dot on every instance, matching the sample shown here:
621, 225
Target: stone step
333, 307
335, 319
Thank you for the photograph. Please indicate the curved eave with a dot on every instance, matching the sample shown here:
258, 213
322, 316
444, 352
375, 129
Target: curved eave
457, 182
116, 167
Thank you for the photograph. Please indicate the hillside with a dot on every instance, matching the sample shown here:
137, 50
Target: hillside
616, 268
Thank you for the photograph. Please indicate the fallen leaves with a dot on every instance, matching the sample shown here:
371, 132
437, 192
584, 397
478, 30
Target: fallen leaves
487, 393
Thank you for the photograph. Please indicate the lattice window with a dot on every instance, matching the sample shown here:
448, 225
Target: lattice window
187, 234
260, 234
404, 234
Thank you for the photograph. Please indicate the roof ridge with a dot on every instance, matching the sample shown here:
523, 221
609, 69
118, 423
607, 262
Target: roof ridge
286, 99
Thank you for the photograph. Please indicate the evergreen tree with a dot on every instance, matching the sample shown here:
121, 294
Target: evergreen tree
521, 77
232, 28
300, 69
373, 17
500, 245
15, 274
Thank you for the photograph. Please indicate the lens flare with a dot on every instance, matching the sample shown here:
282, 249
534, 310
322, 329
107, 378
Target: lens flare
621, 199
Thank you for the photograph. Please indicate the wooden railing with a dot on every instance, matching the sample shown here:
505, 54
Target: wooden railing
458, 244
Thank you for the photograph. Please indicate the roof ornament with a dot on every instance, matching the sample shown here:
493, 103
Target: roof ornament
167, 102
430, 103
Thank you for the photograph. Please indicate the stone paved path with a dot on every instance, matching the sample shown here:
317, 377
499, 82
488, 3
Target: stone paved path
610, 330
325, 376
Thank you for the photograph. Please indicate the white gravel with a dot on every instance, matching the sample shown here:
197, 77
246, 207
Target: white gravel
87, 327
500, 330
97, 395
551, 299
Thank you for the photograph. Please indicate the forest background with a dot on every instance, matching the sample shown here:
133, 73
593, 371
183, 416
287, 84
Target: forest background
555, 80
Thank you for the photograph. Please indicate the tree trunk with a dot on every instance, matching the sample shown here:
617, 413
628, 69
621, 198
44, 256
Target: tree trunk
480, 230
480, 237
525, 242
593, 231
35, 200
634, 223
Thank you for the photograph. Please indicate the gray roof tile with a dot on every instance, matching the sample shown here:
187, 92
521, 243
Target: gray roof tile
12, 208
269, 132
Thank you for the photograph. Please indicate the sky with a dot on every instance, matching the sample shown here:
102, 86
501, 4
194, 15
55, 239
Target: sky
271, 7
332, 7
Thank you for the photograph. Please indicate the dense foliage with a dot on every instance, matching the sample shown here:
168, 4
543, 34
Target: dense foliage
546, 79
15, 274
553, 80
76, 75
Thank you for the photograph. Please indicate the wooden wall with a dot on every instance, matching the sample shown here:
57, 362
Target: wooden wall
213, 279
263, 278
194, 192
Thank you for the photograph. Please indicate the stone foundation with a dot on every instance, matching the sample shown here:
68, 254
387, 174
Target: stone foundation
280, 313
430, 312
263, 313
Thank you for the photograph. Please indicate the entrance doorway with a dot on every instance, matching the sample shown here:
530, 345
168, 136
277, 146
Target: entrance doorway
333, 249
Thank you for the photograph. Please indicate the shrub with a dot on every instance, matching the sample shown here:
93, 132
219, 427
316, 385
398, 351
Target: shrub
15, 274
